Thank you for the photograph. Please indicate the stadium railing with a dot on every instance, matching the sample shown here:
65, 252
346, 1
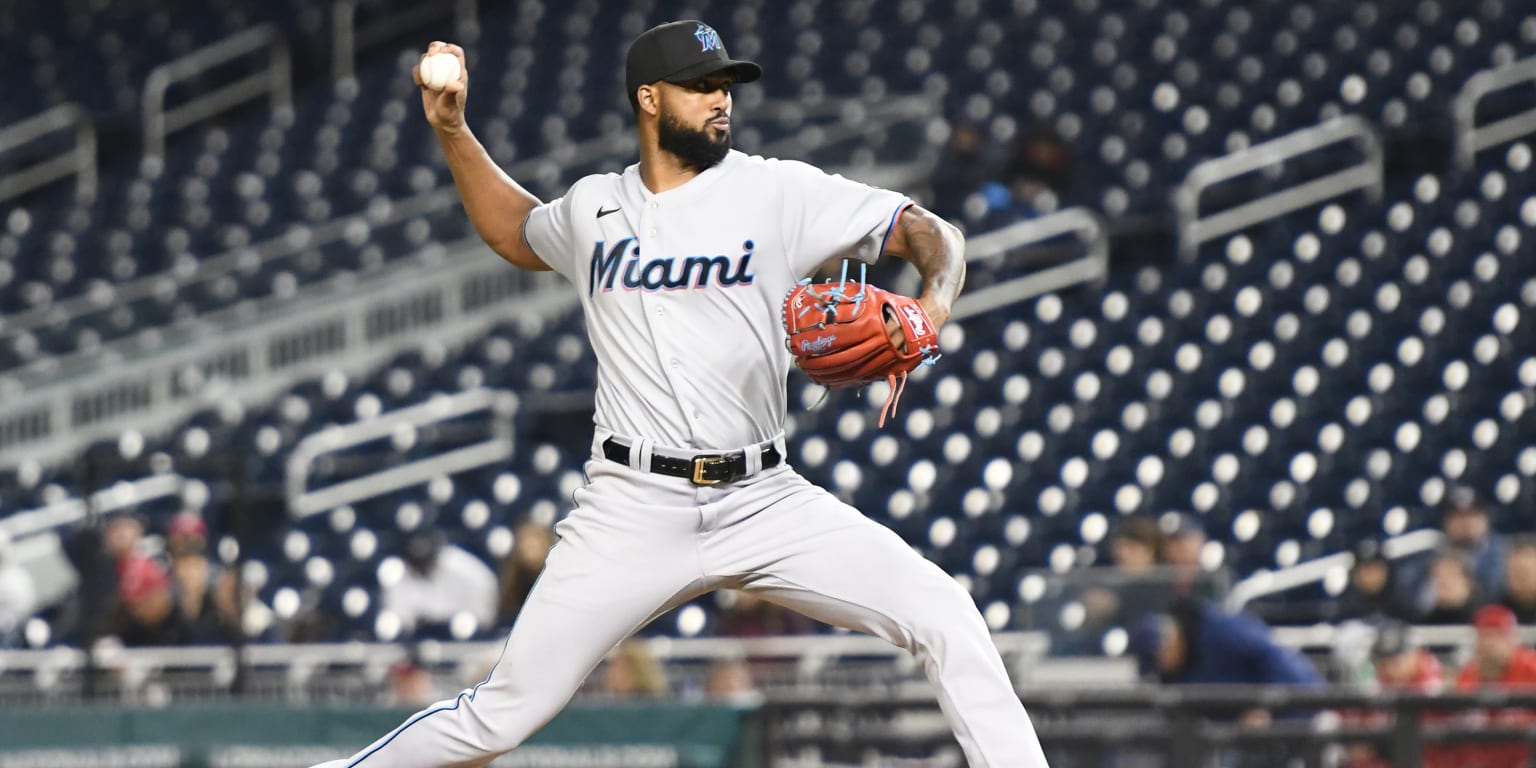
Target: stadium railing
79, 161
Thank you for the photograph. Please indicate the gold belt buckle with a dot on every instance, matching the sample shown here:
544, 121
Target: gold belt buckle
700, 463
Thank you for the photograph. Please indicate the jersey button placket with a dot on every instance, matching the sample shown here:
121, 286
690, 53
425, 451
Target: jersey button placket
655, 305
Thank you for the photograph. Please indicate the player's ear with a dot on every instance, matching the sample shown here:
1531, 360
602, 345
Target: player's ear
648, 98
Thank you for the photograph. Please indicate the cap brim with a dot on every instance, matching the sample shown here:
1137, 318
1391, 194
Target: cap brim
744, 71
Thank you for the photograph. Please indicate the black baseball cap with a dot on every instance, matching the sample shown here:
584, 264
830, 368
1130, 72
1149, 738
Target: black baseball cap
678, 51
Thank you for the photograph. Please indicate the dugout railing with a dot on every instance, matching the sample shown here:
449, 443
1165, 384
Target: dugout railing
1177, 727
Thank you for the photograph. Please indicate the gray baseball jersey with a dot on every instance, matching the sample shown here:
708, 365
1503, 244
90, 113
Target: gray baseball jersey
682, 290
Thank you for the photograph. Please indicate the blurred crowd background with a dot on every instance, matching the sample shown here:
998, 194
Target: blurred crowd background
253, 390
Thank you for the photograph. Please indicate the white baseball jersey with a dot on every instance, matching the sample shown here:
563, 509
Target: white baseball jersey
682, 290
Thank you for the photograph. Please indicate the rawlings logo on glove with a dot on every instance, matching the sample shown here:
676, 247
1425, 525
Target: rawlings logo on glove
839, 335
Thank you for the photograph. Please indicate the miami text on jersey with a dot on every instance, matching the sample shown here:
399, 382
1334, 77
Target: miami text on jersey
668, 273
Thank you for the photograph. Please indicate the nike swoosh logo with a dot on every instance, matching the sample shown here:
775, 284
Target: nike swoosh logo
601, 213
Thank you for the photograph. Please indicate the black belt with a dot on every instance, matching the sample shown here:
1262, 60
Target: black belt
704, 469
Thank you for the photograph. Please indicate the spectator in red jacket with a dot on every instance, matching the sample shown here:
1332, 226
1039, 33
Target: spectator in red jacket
1400, 665
1499, 661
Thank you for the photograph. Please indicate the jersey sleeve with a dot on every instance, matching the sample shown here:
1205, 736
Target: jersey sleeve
548, 231
826, 216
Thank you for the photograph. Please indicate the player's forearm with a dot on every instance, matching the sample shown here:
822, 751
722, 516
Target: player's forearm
495, 203
937, 249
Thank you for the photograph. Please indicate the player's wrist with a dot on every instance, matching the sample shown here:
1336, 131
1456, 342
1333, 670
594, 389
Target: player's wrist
449, 131
938, 311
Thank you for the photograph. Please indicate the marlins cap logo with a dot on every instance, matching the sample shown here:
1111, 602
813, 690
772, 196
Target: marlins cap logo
708, 38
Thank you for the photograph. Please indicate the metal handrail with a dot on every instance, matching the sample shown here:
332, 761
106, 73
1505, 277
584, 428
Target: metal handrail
347, 38
302, 501
1195, 229
1089, 227
280, 246
1266, 582
69, 511
79, 161
322, 655
274, 80
256, 358
1472, 138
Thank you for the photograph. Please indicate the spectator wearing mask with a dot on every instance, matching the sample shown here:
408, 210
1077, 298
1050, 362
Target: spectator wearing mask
1498, 661
440, 582
1520, 579
1454, 596
18, 594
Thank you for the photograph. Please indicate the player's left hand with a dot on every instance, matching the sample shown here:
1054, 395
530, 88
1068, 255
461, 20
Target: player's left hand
847, 334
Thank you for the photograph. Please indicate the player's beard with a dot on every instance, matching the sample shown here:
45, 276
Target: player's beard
695, 149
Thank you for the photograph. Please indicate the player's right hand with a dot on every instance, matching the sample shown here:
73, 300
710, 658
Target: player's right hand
445, 108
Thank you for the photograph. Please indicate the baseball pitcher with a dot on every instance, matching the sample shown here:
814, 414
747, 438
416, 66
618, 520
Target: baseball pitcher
690, 267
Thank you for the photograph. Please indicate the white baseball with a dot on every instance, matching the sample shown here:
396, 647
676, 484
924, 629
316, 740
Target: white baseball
438, 70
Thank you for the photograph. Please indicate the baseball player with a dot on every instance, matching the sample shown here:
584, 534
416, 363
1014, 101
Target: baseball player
685, 264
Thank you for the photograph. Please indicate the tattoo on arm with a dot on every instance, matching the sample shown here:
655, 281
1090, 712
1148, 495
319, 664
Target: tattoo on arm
937, 249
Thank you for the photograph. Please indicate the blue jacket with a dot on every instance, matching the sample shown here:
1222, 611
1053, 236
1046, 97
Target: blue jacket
1235, 648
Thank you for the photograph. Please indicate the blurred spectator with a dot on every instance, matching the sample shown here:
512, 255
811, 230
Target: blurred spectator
1398, 665
411, 685
441, 581
968, 161
1498, 661
747, 615
1454, 596
1198, 642
1372, 591
1183, 541
99, 555
18, 594
1133, 588
125, 534
1520, 579
1134, 544
730, 681
1469, 534
1402, 665
1040, 170
146, 612
530, 548
205, 592
411, 682
632, 672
